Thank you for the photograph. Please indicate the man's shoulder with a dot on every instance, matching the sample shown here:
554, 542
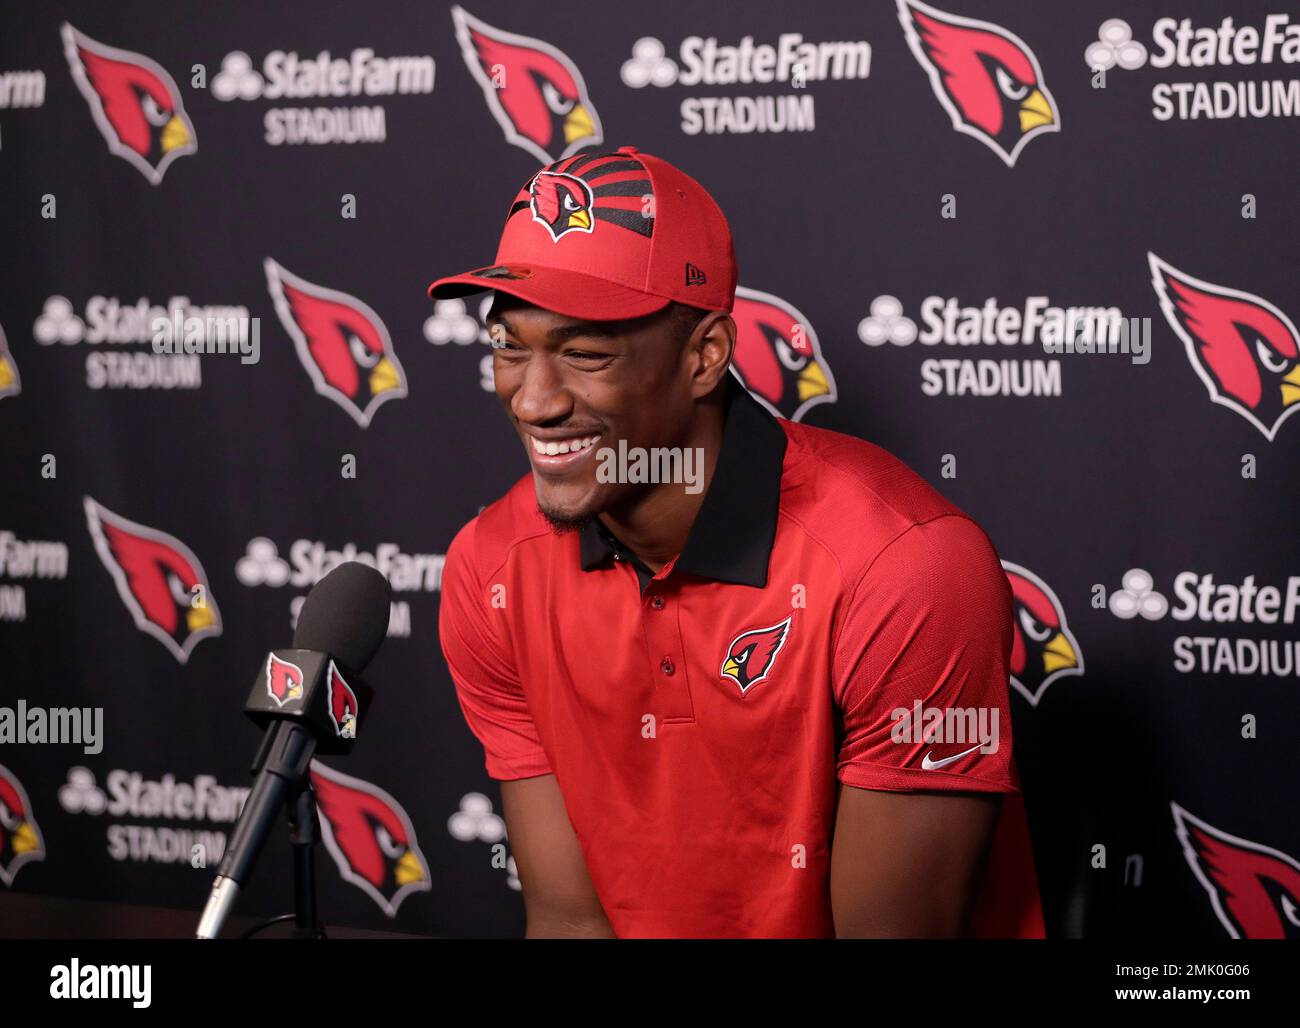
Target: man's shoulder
856, 499
484, 543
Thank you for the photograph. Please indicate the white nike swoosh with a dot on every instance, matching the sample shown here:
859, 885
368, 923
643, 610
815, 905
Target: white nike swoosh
931, 765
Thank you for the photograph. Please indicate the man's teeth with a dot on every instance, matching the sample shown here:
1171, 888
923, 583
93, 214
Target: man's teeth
554, 448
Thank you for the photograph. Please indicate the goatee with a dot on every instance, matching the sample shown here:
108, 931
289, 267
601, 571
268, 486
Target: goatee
562, 523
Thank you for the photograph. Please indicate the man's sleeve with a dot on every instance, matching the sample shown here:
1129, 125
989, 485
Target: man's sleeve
487, 684
928, 623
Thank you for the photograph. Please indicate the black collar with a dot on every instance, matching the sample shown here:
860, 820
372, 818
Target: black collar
731, 539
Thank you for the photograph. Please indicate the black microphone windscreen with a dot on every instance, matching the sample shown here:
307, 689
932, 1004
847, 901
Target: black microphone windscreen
346, 615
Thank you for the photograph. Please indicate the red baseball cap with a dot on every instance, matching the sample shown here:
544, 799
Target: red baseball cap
606, 236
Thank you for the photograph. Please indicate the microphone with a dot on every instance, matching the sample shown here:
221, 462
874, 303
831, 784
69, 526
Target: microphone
309, 699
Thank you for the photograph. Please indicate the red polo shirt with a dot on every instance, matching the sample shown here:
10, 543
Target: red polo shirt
699, 720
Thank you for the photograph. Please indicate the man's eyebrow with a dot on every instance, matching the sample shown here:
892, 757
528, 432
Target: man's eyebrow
582, 328
563, 333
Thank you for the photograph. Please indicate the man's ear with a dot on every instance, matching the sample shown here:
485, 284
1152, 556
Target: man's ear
712, 342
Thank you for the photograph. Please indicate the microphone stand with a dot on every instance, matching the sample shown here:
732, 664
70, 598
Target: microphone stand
304, 833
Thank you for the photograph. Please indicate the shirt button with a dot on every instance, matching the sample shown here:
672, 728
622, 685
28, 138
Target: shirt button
618, 556
667, 666
657, 602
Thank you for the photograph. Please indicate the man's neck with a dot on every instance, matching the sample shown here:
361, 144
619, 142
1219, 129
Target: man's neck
656, 524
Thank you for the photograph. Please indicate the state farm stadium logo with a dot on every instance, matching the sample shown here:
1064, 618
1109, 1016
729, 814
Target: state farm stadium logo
775, 79
534, 91
342, 343
21, 90
320, 81
22, 560
165, 820
985, 77
452, 322
135, 103
1244, 349
310, 560
984, 350
1265, 605
130, 344
1243, 67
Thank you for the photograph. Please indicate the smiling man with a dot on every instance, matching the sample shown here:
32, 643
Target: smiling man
775, 705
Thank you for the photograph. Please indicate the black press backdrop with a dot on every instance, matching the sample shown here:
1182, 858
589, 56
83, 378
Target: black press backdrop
837, 189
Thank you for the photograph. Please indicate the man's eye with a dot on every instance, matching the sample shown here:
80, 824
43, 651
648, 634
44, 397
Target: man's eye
586, 355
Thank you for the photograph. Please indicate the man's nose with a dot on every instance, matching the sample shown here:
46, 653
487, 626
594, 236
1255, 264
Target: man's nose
542, 395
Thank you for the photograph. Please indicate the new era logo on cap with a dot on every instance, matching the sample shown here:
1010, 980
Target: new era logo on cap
605, 236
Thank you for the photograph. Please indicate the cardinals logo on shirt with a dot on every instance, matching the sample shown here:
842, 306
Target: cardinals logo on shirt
20, 837
1255, 890
533, 90
778, 358
156, 575
10, 382
752, 655
370, 838
987, 79
283, 680
1044, 649
134, 102
1245, 350
343, 705
341, 342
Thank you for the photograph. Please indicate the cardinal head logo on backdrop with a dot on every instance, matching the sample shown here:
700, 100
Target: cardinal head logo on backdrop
134, 102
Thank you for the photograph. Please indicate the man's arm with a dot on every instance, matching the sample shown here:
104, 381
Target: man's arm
908, 864
558, 895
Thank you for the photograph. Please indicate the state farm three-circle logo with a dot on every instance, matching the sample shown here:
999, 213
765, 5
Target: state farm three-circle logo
1043, 649
134, 102
159, 579
987, 79
1244, 349
534, 91
342, 342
